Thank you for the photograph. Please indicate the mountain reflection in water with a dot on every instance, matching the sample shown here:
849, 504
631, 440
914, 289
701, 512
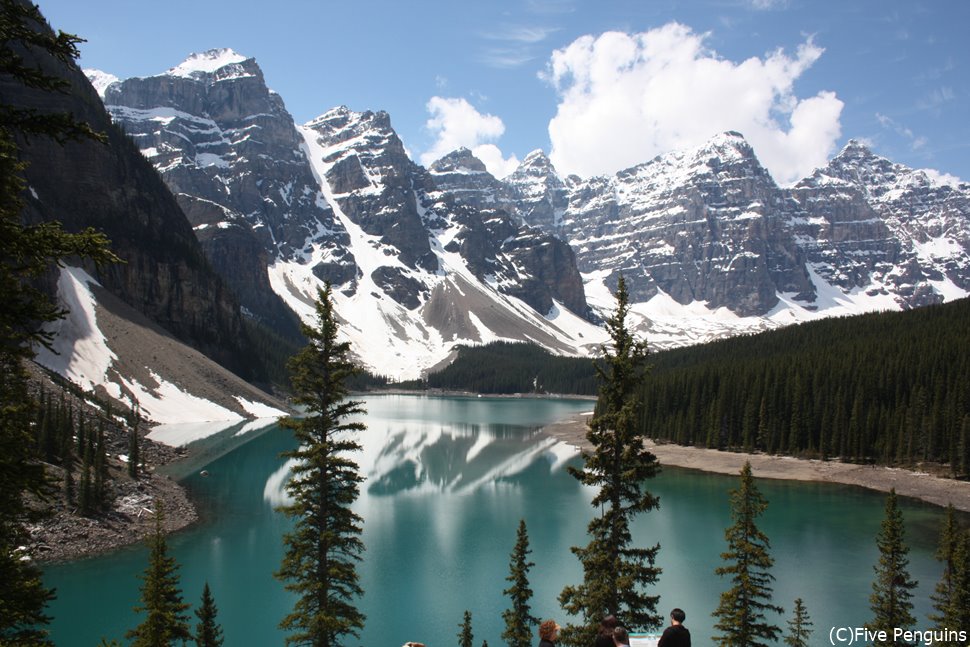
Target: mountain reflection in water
426, 458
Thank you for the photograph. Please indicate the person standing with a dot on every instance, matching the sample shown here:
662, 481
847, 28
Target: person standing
548, 633
676, 635
605, 637
621, 638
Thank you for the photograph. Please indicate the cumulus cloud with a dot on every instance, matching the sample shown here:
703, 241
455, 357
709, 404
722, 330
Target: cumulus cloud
625, 98
940, 179
455, 123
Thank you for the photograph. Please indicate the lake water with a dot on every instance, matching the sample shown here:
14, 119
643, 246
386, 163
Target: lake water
448, 480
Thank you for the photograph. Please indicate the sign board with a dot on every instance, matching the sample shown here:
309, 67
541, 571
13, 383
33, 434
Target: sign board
644, 640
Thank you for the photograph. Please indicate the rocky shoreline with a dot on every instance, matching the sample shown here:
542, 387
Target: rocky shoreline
918, 485
65, 535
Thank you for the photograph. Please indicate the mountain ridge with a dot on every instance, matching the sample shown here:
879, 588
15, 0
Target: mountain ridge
709, 243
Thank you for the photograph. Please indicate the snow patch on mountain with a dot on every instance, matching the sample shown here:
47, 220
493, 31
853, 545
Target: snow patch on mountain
205, 63
79, 351
83, 353
457, 308
100, 80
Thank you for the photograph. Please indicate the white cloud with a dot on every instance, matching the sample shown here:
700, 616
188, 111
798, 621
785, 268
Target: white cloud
624, 98
456, 123
940, 179
494, 161
521, 33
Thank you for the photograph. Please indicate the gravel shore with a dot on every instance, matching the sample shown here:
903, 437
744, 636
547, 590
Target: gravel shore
65, 535
932, 489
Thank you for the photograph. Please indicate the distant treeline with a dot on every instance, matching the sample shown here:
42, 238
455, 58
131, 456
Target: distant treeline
507, 367
887, 388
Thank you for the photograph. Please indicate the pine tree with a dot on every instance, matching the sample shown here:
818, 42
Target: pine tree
946, 553
957, 613
892, 588
26, 252
741, 611
99, 488
519, 619
465, 636
133, 452
319, 564
799, 627
615, 572
85, 497
952, 597
208, 633
161, 598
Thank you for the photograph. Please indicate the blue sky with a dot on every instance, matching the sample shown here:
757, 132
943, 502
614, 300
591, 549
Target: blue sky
599, 85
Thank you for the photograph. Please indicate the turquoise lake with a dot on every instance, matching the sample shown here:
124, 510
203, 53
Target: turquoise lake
448, 480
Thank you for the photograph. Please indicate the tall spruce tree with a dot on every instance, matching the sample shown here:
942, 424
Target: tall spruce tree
892, 589
799, 627
519, 620
208, 633
166, 620
946, 553
615, 572
951, 600
319, 564
957, 613
26, 253
741, 612
465, 635
134, 455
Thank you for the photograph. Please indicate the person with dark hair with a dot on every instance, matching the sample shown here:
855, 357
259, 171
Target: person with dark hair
620, 637
676, 635
548, 633
605, 637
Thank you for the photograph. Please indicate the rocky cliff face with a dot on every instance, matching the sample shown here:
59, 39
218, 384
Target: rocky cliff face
424, 258
465, 178
281, 209
882, 227
710, 226
113, 188
705, 225
228, 149
456, 206
523, 261
541, 196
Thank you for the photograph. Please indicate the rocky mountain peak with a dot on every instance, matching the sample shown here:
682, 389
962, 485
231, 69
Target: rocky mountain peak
461, 160
209, 62
364, 132
229, 151
540, 191
535, 165
100, 80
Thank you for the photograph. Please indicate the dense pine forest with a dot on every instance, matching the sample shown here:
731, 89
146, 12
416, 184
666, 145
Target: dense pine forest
891, 388
887, 388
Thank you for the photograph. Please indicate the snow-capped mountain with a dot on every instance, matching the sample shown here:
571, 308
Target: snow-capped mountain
712, 246
229, 151
886, 229
423, 259
415, 270
541, 195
